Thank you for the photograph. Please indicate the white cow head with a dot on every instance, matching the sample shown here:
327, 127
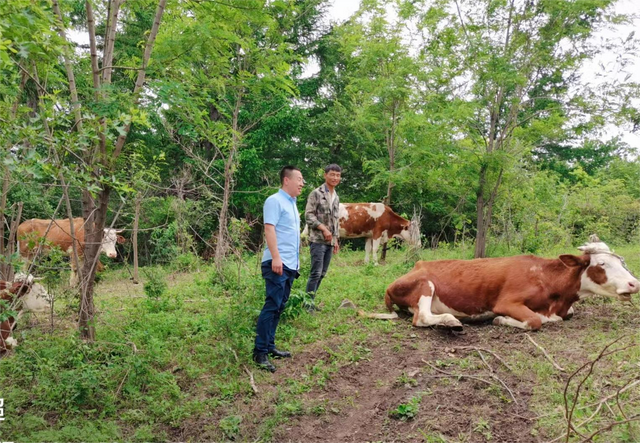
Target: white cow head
109, 241
607, 273
37, 299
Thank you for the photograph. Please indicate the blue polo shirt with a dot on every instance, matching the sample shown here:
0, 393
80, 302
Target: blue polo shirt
280, 210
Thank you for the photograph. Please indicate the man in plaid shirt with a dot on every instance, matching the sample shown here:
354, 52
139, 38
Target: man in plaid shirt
321, 216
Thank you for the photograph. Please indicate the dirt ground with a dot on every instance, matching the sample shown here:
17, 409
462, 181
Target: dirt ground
354, 404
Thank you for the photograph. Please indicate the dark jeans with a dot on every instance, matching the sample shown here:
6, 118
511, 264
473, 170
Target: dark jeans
320, 259
278, 290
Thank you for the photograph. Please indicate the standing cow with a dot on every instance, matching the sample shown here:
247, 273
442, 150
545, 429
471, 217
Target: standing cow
32, 232
523, 291
377, 223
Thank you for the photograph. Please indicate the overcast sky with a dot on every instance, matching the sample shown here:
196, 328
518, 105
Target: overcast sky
341, 10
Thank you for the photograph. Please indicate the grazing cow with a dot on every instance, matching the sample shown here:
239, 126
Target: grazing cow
523, 291
9, 294
378, 223
59, 235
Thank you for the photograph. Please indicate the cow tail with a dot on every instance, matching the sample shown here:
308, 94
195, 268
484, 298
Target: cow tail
387, 300
389, 304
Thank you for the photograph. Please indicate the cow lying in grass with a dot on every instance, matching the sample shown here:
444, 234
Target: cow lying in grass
523, 291
23, 295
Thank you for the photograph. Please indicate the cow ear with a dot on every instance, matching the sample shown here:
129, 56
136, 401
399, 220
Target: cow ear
121, 239
570, 260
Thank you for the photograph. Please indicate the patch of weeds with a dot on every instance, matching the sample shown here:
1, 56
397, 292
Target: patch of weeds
230, 426
298, 303
482, 427
186, 263
407, 411
291, 408
406, 381
428, 437
318, 410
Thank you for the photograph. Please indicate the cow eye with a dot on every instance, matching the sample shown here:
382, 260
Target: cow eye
601, 263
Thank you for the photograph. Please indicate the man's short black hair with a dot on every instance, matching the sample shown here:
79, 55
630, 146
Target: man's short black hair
286, 172
332, 167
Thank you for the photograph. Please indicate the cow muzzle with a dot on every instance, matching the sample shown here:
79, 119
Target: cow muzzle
633, 287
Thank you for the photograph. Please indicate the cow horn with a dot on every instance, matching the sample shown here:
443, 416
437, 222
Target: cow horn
593, 238
38, 278
118, 231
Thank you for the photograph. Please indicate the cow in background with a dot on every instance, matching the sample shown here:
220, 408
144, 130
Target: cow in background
523, 291
377, 223
34, 231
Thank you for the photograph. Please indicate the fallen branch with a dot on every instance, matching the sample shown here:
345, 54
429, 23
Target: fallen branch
473, 377
251, 380
555, 365
489, 351
249, 373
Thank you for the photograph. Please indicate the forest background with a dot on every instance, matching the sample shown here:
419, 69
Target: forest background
170, 119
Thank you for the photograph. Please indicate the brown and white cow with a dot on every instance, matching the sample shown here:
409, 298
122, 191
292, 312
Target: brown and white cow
32, 232
377, 223
9, 294
523, 291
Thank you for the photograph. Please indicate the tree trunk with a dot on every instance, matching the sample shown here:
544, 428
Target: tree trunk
134, 239
93, 242
223, 236
484, 211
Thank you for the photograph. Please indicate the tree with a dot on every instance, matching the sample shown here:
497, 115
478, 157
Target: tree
519, 70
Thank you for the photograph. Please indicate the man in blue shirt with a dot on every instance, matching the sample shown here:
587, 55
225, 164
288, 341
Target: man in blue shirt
280, 262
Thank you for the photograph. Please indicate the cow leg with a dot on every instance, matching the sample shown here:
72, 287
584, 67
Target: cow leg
423, 317
375, 243
517, 316
367, 250
570, 313
551, 319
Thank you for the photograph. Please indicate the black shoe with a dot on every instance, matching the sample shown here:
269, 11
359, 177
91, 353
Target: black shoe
312, 308
279, 354
263, 362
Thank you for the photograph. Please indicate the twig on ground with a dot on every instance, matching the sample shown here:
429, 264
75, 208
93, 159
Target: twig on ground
249, 373
473, 377
489, 351
569, 412
555, 365
251, 380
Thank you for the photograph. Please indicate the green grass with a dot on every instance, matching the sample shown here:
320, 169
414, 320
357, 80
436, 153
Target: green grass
177, 354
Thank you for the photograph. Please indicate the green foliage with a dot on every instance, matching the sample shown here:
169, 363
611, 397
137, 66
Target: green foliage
156, 285
299, 302
407, 411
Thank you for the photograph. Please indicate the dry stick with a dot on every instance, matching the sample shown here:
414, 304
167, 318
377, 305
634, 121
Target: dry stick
609, 426
489, 351
485, 361
449, 374
555, 365
251, 380
591, 364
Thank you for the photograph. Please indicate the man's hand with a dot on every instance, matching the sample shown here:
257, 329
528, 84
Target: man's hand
327, 235
336, 248
276, 265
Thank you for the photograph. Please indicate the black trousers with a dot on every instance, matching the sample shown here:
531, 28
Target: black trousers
320, 259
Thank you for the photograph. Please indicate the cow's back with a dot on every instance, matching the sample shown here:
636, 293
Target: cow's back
368, 220
59, 234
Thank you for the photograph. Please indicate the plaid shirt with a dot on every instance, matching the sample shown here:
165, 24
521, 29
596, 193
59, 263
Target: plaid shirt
319, 211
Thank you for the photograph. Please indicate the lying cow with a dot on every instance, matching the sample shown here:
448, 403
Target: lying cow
10, 293
32, 232
523, 291
377, 223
